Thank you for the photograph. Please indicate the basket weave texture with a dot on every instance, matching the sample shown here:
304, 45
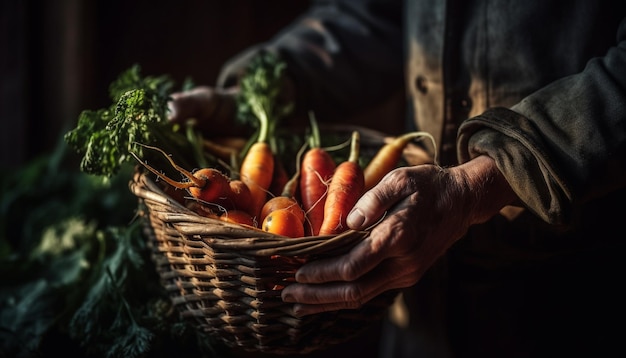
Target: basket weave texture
227, 279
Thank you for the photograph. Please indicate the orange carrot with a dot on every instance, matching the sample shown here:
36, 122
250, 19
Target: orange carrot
317, 168
256, 171
259, 92
345, 188
387, 158
282, 202
287, 198
206, 184
241, 196
210, 184
238, 197
238, 217
257, 166
283, 222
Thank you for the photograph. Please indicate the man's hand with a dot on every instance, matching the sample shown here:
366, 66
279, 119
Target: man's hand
213, 109
426, 210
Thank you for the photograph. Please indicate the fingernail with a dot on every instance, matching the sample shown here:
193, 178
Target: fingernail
287, 297
300, 276
355, 219
298, 311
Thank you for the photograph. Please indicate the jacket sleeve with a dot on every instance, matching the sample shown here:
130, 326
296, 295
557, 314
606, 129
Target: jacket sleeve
342, 55
564, 144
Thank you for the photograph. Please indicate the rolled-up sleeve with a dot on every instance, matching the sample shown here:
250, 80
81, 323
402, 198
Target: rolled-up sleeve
562, 145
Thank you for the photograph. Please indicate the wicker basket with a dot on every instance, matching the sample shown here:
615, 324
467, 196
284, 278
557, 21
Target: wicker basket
227, 279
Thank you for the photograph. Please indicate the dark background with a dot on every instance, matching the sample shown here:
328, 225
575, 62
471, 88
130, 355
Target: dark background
58, 58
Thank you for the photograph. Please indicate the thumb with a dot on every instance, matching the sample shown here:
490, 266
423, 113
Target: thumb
375, 202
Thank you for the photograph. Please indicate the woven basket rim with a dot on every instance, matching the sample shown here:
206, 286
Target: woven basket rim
226, 278
226, 235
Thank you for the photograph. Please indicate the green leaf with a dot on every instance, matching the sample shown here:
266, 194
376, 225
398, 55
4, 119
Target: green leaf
104, 138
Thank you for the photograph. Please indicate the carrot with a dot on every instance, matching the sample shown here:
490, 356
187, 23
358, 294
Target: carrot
283, 222
344, 189
256, 172
257, 167
387, 158
259, 92
238, 197
241, 196
206, 184
317, 168
287, 198
282, 202
211, 184
238, 217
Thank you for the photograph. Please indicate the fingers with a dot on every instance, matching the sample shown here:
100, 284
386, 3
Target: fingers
313, 299
390, 258
370, 268
393, 188
197, 102
345, 287
332, 297
214, 109
349, 267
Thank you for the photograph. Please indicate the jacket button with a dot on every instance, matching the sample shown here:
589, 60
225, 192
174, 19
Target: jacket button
420, 84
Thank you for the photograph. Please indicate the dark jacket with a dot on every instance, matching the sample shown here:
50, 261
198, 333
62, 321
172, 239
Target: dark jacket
540, 86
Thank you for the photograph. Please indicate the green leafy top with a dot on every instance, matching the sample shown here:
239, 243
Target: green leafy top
259, 103
138, 114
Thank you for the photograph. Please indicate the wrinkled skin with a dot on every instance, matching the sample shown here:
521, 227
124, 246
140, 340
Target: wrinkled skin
427, 210
424, 209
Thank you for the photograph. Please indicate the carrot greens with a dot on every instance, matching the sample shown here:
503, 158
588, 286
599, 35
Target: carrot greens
259, 105
259, 102
138, 114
